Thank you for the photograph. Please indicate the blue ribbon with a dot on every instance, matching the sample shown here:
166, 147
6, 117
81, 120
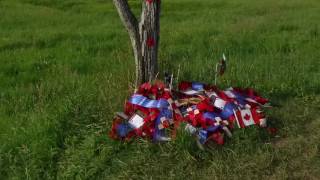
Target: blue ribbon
197, 86
148, 103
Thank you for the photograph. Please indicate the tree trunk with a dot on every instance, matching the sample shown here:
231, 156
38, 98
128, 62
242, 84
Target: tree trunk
144, 36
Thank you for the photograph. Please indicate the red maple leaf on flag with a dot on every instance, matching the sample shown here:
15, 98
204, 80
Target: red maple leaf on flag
247, 117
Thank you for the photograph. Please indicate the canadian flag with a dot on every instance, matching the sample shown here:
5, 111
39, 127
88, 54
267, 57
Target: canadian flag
248, 117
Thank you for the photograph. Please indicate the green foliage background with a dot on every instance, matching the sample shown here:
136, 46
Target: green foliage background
66, 66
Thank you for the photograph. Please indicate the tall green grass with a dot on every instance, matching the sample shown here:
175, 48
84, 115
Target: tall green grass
66, 67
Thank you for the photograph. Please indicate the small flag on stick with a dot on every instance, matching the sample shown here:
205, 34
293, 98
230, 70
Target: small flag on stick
221, 67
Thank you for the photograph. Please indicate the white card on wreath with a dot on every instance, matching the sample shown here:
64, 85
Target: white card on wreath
220, 103
136, 121
191, 92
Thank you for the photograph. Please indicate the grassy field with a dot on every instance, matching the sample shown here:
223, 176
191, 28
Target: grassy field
66, 66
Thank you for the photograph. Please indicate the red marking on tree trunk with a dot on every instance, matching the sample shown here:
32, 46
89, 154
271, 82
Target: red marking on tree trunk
150, 42
149, 1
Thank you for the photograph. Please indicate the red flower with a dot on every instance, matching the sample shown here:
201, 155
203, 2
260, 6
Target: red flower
150, 42
144, 88
184, 85
205, 106
166, 124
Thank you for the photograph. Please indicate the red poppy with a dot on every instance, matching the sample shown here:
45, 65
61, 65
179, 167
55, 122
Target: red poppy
205, 106
166, 124
184, 85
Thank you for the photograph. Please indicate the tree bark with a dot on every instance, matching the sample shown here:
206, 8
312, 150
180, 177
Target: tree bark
144, 36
